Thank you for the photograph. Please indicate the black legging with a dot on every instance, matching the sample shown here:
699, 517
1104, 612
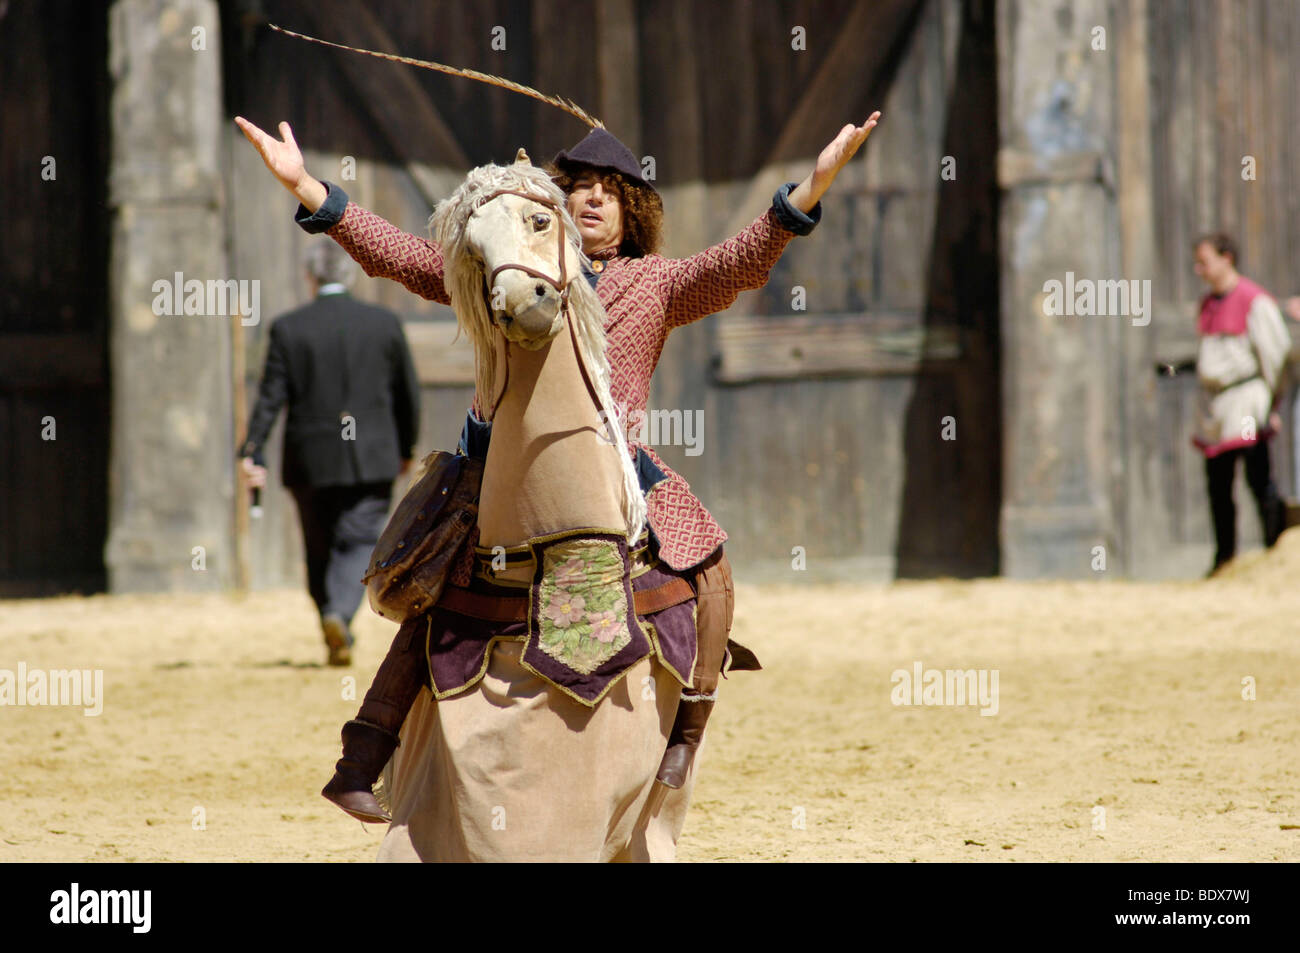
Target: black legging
340, 526
1220, 471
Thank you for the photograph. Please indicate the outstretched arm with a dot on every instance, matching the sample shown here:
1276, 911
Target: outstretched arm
712, 280
833, 158
381, 248
284, 159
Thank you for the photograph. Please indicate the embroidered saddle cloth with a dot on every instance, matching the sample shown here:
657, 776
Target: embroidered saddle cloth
590, 611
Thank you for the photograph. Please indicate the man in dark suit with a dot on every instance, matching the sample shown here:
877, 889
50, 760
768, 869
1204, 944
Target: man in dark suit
345, 371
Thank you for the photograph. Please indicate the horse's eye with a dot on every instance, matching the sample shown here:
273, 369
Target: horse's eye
540, 222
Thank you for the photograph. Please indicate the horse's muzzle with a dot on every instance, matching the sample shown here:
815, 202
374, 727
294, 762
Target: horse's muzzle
531, 316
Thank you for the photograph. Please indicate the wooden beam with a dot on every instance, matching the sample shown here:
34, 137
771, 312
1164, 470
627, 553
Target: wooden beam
1140, 495
239, 427
618, 60
438, 361
51, 361
392, 96
1017, 167
863, 45
765, 348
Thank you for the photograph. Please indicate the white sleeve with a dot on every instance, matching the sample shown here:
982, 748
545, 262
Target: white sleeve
1269, 337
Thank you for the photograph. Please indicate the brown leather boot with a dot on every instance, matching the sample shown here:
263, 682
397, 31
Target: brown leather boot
688, 731
366, 749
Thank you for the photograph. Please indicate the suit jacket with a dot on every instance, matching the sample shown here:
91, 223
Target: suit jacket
344, 370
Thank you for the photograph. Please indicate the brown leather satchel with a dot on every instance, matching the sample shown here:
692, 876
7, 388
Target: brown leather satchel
416, 551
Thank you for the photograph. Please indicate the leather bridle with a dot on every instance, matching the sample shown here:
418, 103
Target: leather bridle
562, 284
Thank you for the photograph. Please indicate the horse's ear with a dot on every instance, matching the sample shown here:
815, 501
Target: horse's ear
521, 157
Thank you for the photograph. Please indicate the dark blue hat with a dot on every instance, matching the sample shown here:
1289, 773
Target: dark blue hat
601, 150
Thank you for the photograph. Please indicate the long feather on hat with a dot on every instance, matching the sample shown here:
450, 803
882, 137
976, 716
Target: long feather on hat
568, 106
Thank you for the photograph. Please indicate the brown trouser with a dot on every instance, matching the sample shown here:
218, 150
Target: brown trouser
402, 674
715, 603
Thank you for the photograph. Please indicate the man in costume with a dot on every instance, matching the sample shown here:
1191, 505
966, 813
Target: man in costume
618, 215
344, 370
1244, 346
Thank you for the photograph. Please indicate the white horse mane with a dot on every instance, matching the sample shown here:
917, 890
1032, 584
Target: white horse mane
465, 283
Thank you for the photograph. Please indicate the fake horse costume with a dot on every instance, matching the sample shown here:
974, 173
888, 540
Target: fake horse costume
645, 296
644, 299
559, 490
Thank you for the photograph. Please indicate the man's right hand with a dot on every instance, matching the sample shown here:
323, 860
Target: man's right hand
255, 475
284, 159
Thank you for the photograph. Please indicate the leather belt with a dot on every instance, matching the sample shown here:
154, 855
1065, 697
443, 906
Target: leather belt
1238, 383
515, 608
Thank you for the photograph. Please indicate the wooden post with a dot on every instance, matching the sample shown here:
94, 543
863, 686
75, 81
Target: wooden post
239, 417
170, 487
1061, 410
1144, 521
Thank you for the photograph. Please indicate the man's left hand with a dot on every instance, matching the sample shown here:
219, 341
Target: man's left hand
833, 158
842, 148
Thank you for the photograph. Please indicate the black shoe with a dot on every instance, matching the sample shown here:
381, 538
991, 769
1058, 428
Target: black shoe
337, 639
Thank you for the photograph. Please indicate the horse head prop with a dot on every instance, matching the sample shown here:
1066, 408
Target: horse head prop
513, 267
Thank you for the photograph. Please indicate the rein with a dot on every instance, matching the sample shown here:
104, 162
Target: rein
562, 284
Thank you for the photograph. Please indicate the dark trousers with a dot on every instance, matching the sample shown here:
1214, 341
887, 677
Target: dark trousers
340, 526
1220, 472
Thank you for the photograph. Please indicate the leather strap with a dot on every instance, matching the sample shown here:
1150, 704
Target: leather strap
558, 284
515, 608
673, 592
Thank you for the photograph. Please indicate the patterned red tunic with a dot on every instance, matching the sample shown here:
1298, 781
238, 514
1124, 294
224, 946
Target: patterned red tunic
644, 299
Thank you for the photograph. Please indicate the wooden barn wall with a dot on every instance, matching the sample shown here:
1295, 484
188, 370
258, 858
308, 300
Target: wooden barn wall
1223, 90
53, 298
848, 466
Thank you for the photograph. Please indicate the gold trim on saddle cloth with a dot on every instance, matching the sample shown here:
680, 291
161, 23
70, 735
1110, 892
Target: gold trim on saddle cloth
652, 633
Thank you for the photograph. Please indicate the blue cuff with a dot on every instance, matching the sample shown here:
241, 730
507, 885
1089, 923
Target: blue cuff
474, 437
325, 217
648, 475
791, 218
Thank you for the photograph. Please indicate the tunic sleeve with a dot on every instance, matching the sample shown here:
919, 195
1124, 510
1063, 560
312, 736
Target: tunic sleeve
711, 281
381, 248
1269, 338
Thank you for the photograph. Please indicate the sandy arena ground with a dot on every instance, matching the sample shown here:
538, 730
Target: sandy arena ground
1121, 732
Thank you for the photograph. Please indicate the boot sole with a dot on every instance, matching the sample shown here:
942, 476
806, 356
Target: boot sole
365, 817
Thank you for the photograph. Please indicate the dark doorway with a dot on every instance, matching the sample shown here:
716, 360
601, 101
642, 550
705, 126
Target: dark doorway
54, 398
952, 490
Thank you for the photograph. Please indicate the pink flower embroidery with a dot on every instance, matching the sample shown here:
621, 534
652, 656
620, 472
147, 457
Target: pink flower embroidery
572, 573
604, 626
565, 609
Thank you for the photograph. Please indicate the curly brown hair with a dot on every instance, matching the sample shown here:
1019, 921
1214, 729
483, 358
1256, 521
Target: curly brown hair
643, 210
